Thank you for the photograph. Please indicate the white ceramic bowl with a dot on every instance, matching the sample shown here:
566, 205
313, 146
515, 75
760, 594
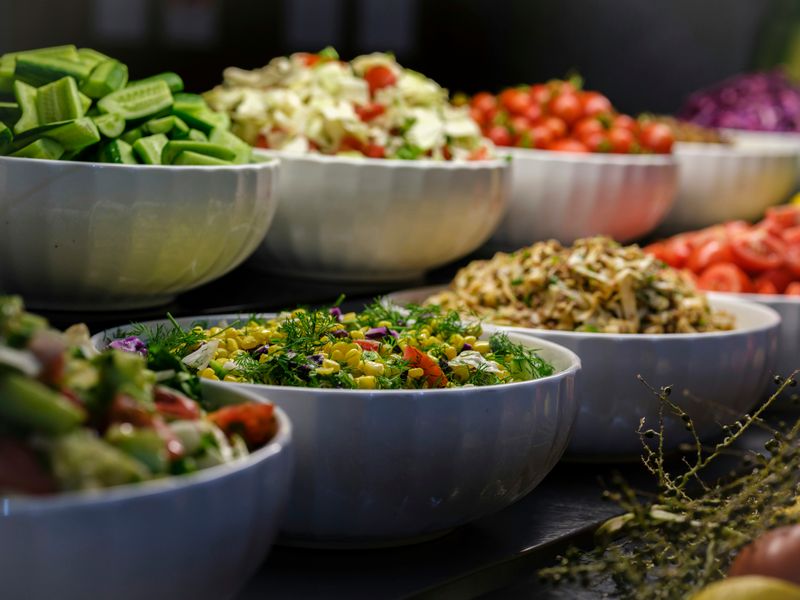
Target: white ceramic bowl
360, 219
716, 377
721, 183
197, 536
566, 196
94, 236
385, 467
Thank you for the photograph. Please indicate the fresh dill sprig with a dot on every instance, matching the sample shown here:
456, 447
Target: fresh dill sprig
524, 363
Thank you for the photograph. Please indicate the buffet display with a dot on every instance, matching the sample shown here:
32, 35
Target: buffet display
430, 407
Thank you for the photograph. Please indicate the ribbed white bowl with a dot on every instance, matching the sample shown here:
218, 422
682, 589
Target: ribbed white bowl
716, 377
198, 536
359, 219
721, 183
567, 196
389, 466
93, 236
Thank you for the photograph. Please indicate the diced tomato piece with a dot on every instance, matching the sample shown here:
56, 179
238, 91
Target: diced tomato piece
254, 421
784, 216
710, 253
373, 345
308, 59
374, 151
481, 153
379, 76
174, 405
757, 251
433, 372
791, 235
350, 143
793, 289
370, 111
792, 258
724, 277
734, 227
261, 141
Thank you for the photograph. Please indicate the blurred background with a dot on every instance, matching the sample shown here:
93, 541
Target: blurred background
643, 54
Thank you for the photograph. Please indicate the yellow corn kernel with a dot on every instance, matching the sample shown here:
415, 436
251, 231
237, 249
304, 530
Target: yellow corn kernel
230, 378
231, 345
340, 346
384, 323
338, 355
214, 331
450, 352
426, 329
221, 353
274, 348
373, 368
330, 364
263, 358
461, 372
366, 382
236, 353
349, 317
415, 373
457, 340
324, 339
431, 341
481, 346
208, 373
357, 335
422, 336
470, 339
353, 357
248, 342
324, 371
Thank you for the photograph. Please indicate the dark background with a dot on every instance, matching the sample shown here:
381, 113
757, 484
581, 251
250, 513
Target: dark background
644, 54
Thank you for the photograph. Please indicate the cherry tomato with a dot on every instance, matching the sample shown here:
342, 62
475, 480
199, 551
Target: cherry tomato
791, 235
566, 106
597, 142
519, 124
370, 111
174, 405
374, 151
586, 127
677, 251
621, 140
372, 345
595, 103
757, 251
709, 253
783, 216
254, 421
499, 135
780, 278
515, 101
772, 554
433, 372
533, 113
379, 76
792, 258
556, 125
476, 115
793, 289
541, 136
657, 249
483, 101
724, 277
657, 137
539, 93
568, 145
764, 287
625, 122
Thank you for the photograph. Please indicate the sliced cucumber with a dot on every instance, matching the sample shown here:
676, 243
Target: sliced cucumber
9, 113
77, 135
91, 57
41, 148
188, 158
203, 119
223, 137
138, 100
6, 137
197, 136
118, 152
7, 65
111, 125
175, 147
38, 69
86, 102
190, 102
59, 101
149, 149
107, 77
132, 135
167, 125
26, 100
173, 80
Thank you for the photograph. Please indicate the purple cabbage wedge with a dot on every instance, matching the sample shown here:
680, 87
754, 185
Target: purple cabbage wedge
130, 344
765, 101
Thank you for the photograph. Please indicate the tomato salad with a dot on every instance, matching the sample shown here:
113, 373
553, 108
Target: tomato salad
368, 107
738, 257
558, 115
72, 418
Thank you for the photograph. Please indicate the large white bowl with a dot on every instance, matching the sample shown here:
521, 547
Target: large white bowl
96, 236
721, 183
566, 196
360, 219
393, 466
197, 536
716, 377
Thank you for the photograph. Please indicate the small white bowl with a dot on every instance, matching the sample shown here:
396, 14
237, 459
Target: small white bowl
722, 183
95, 236
362, 219
566, 196
198, 536
716, 376
385, 467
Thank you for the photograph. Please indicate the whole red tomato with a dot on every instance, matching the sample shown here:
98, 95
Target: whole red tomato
483, 101
499, 135
556, 125
541, 136
657, 137
566, 106
587, 126
622, 140
515, 101
568, 145
595, 103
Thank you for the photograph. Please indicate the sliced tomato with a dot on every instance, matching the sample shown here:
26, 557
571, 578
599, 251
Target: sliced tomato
792, 258
765, 287
370, 111
709, 253
656, 249
174, 405
780, 278
724, 277
791, 235
433, 372
677, 250
373, 345
757, 251
254, 421
736, 227
793, 289
379, 76
784, 216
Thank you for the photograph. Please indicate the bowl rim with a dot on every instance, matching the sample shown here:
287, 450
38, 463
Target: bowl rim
501, 162
777, 135
782, 299
766, 150
594, 158
267, 163
771, 319
11, 505
573, 366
